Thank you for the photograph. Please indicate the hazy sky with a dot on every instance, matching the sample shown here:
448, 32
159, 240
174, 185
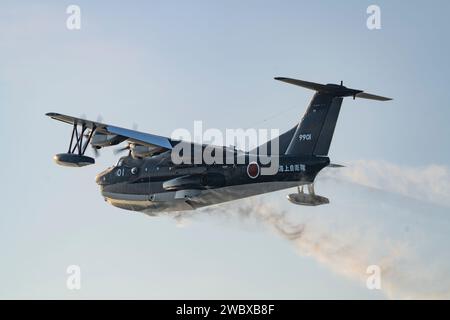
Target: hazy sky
165, 64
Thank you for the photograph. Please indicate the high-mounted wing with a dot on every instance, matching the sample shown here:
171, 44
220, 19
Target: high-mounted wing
102, 135
142, 138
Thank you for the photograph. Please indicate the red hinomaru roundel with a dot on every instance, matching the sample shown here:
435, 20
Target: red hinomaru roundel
253, 170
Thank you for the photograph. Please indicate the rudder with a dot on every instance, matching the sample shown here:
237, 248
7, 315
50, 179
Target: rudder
315, 131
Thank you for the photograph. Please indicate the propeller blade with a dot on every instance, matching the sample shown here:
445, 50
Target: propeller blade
120, 150
96, 152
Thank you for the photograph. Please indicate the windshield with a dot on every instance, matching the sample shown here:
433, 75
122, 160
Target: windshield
120, 162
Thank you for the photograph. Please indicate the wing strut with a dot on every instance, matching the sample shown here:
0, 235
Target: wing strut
77, 147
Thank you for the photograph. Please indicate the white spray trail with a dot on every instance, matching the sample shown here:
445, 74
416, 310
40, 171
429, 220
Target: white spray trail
407, 241
431, 183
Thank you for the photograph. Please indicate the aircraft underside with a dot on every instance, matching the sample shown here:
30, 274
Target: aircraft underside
166, 202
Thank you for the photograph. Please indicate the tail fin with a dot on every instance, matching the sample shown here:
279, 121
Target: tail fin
315, 131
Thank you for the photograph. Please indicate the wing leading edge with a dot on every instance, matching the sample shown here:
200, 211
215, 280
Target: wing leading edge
142, 138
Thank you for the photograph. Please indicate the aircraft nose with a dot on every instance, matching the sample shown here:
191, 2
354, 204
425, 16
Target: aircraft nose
100, 179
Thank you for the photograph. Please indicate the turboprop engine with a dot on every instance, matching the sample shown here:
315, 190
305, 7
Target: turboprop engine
100, 140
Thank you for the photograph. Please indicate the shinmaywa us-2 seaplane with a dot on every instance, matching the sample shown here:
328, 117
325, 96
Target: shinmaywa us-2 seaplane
149, 179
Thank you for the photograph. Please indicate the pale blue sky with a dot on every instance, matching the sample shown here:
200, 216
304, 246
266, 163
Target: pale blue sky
164, 64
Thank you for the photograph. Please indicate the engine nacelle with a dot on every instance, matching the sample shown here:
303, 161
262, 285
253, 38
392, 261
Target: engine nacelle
139, 151
99, 139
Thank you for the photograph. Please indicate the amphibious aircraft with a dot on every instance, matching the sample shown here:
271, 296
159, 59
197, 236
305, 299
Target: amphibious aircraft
151, 178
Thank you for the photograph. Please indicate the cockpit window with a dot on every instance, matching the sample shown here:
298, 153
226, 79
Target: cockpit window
120, 162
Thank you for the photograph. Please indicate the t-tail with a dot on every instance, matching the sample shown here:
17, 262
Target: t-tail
312, 136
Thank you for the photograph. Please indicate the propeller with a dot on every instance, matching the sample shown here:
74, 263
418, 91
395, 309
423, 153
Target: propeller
122, 149
128, 146
95, 151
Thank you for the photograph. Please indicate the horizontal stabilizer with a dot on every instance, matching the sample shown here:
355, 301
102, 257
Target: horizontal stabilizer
335, 165
337, 90
364, 95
